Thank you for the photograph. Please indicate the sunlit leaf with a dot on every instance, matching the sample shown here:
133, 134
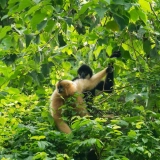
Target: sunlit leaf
142, 16
24, 4
3, 120
145, 5
37, 18
132, 134
134, 15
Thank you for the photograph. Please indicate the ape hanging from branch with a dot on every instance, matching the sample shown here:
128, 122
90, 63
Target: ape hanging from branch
85, 72
65, 89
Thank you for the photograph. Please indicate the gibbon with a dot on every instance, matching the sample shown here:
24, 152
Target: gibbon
65, 89
85, 72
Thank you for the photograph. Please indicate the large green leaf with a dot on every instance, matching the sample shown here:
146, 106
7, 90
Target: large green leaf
28, 38
122, 21
3, 31
37, 18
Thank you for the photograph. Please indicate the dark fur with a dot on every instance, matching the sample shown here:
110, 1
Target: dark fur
106, 85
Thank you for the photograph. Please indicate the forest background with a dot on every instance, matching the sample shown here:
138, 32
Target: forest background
43, 41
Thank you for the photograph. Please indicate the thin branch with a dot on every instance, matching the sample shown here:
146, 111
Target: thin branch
154, 12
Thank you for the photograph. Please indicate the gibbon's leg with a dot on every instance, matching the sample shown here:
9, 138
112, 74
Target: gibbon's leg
57, 116
107, 84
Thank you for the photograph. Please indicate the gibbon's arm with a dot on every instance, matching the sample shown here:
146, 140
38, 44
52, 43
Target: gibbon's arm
89, 84
56, 103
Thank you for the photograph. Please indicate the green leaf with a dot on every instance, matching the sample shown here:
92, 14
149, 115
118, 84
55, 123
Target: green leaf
122, 21
145, 140
132, 134
8, 41
47, 9
145, 5
83, 9
68, 20
142, 16
101, 11
3, 31
42, 25
50, 25
3, 94
23, 4
132, 27
37, 39
4, 17
13, 90
147, 46
133, 119
38, 137
28, 38
42, 144
3, 3
139, 125
130, 97
132, 149
33, 9
134, 15
2, 80
112, 25
120, 2
37, 18
3, 120
140, 108
108, 1
141, 149
66, 65
60, 2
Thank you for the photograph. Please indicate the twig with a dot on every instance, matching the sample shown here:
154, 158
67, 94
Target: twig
154, 12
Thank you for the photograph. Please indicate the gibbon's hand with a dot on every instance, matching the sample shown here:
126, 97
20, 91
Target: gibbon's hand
110, 68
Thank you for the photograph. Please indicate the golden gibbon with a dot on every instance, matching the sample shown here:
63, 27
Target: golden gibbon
65, 89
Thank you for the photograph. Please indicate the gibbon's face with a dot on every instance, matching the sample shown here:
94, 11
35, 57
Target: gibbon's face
65, 87
84, 75
85, 72
62, 86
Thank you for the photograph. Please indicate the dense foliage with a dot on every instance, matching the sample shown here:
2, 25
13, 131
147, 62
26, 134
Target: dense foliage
43, 41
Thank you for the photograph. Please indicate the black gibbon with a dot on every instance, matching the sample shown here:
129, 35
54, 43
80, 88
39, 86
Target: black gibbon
85, 72
65, 89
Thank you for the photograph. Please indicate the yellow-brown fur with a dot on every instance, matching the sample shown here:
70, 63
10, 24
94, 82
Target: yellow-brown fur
67, 88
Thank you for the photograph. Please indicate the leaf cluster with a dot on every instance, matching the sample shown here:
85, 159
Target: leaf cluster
42, 42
